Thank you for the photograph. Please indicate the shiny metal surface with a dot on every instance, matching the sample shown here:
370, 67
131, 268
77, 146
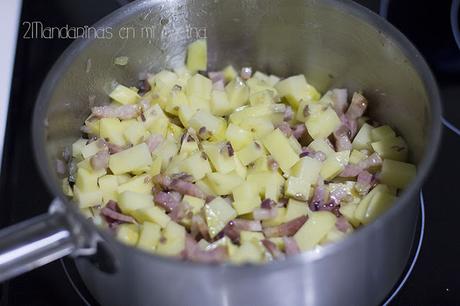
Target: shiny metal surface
336, 44
34, 243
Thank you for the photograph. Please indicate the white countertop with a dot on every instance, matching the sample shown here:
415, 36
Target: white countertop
10, 14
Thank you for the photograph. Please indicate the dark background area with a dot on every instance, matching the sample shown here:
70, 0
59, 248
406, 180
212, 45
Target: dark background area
435, 279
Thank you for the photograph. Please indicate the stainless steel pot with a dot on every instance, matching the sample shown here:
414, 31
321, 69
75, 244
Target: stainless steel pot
336, 44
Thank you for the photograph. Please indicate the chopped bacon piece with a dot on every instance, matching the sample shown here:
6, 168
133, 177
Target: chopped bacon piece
100, 160
290, 246
193, 252
273, 249
154, 141
286, 229
167, 200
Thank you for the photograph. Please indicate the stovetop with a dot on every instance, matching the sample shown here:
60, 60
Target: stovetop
434, 279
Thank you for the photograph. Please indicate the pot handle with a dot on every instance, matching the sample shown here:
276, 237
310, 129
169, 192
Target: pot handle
38, 241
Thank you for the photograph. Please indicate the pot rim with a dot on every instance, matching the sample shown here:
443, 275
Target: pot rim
347, 6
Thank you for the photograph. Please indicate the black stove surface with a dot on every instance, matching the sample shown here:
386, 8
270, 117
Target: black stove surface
435, 277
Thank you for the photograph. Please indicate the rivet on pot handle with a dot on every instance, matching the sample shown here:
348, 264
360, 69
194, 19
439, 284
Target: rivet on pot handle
40, 240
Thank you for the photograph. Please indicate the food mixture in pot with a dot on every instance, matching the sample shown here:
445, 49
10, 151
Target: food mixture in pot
233, 166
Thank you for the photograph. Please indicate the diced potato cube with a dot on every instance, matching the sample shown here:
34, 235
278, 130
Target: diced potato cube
128, 233
295, 209
87, 198
297, 188
175, 164
224, 241
247, 252
149, 237
333, 236
315, 229
295, 144
356, 156
278, 146
66, 189
185, 114
382, 132
237, 92
246, 207
140, 184
264, 97
220, 105
250, 153
213, 126
360, 211
197, 56
86, 164
152, 214
174, 242
397, 174
334, 164
246, 198
295, 89
380, 203
111, 129
183, 74
176, 99
166, 151
259, 165
196, 165
168, 78
320, 145
273, 187
90, 149
391, 148
194, 202
77, 146
247, 236
239, 168
322, 124
199, 86
223, 184
237, 136
161, 84
175, 131
134, 132
218, 213
219, 157
123, 178
130, 159
247, 113
155, 168
93, 126
155, 120
229, 73
124, 95
259, 127
108, 184
198, 103
348, 211
188, 146
269, 184
307, 168
303, 111
363, 139
129, 201
86, 180
280, 218
204, 185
